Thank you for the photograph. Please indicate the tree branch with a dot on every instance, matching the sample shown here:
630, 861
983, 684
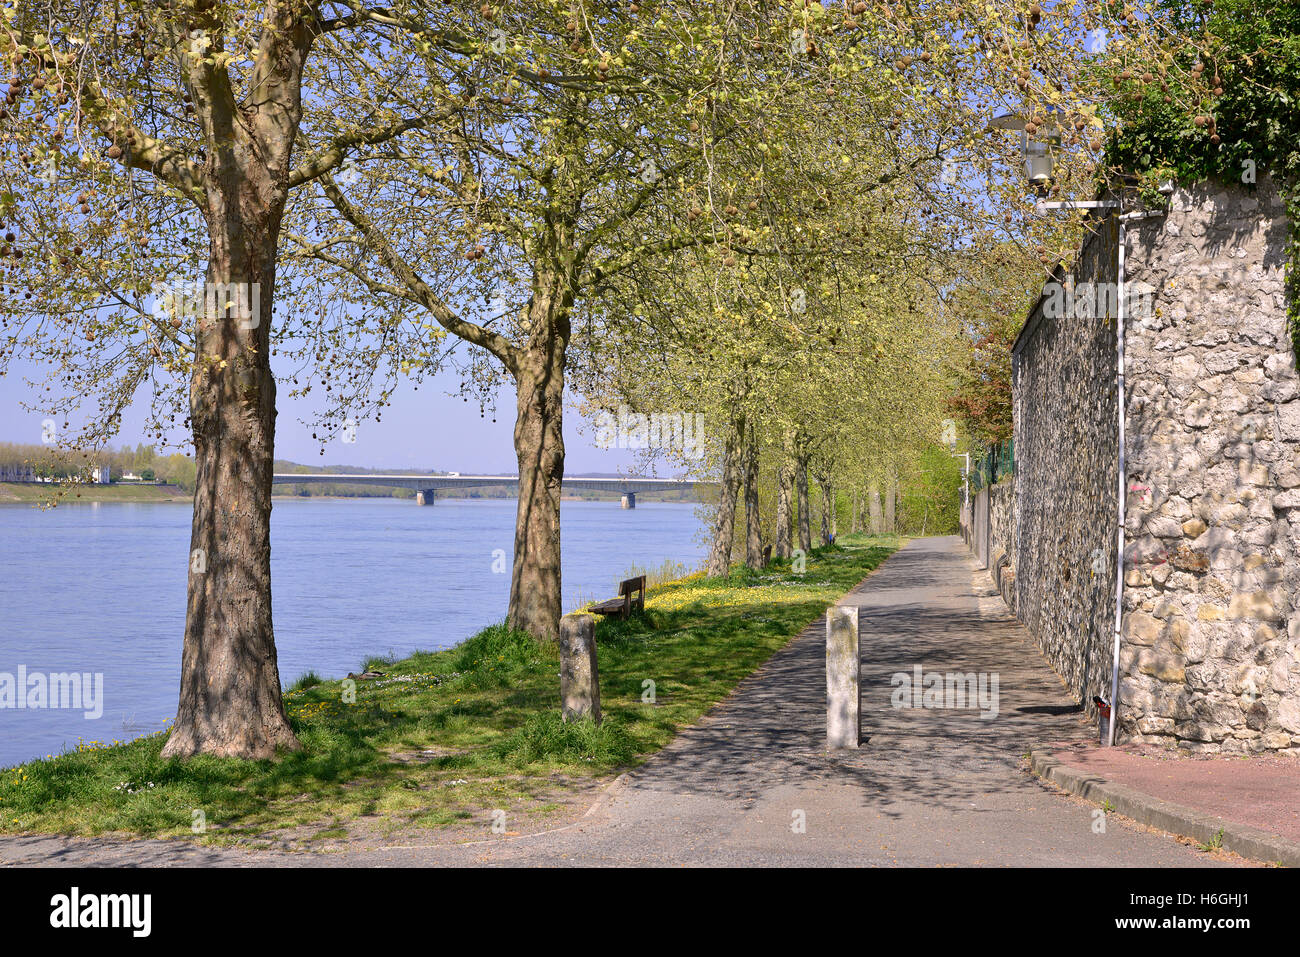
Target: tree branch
493, 342
334, 156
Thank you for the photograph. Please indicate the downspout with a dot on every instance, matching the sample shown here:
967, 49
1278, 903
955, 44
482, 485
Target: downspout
1122, 498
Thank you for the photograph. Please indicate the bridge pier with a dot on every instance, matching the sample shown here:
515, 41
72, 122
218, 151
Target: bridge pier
629, 499
424, 497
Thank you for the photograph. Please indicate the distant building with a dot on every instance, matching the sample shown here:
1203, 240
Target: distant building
17, 473
97, 474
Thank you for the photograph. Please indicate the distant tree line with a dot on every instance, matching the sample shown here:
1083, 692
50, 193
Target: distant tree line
143, 460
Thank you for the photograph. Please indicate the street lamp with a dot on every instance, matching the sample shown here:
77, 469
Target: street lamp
950, 440
1039, 144
965, 482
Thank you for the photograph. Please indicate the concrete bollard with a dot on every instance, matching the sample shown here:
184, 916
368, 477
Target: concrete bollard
843, 704
579, 676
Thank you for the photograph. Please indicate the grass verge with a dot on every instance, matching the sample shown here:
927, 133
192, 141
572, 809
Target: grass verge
446, 737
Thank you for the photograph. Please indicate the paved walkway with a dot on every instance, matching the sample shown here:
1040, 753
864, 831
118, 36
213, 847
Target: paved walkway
928, 787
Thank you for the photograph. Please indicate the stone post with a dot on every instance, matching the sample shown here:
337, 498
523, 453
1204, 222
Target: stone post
843, 705
579, 677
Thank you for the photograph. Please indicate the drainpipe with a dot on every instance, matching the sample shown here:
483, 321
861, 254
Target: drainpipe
1122, 497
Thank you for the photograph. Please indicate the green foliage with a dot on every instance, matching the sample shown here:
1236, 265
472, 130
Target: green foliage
993, 295
1257, 58
1255, 118
930, 498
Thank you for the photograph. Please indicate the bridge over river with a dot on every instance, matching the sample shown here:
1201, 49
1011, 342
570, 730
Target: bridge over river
426, 486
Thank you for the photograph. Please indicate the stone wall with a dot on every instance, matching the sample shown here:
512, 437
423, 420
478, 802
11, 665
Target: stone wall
1210, 656
1211, 645
1067, 469
979, 528
1002, 527
990, 520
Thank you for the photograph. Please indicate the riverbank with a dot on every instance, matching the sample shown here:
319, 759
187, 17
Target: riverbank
36, 493
451, 736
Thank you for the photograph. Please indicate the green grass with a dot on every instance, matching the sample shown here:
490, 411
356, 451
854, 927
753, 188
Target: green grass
308, 679
659, 575
445, 737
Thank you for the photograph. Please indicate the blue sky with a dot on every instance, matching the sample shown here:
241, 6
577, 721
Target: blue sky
422, 430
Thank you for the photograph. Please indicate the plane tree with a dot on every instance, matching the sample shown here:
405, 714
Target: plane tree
149, 150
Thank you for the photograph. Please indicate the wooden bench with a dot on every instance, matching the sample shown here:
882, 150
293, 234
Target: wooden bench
631, 598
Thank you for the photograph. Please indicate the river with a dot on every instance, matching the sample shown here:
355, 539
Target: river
100, 589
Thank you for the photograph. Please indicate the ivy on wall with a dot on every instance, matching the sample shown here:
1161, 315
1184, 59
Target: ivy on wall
1250, 125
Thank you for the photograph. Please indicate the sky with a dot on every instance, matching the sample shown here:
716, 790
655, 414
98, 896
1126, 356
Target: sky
422, 430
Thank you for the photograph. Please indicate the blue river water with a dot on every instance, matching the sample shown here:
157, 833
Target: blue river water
100, 589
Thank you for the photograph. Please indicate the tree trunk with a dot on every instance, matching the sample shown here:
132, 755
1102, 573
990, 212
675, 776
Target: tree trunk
230, 701
753, 521
535, 598
801, 493
891, 500
724, 522
784, 502
728, 489
857, 507
877, 517
824, 482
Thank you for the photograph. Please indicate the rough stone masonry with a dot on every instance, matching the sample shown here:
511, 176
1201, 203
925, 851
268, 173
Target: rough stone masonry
1211, 641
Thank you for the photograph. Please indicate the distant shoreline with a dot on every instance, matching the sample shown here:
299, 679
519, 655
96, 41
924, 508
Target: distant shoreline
34, 493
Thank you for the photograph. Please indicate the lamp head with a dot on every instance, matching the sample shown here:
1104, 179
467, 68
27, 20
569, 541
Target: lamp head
1038, 142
